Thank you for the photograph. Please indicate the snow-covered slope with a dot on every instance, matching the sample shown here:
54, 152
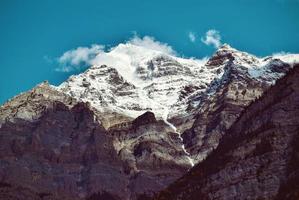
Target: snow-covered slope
132, 79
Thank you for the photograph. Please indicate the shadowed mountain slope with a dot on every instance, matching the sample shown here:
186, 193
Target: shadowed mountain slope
258, 156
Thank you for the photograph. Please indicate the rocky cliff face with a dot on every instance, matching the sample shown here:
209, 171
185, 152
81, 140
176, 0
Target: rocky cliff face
152, 154
59, 152
258, 156
228, 96
54, 147
128, 127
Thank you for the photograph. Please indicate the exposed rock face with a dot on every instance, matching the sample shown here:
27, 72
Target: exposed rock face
152, 154
146, 118
227, 97
62, 154
55, 147
257, 158
218, 112
29, 106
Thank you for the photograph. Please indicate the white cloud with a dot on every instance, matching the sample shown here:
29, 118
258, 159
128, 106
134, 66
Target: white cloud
150, 43
86, 56
192, 36
75, 58
213, 38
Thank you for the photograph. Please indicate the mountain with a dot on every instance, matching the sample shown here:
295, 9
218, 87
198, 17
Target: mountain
201, 98
129, 125
130, 79
258, 156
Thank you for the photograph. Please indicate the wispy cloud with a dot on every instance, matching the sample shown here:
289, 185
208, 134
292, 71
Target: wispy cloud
151, 43
75, 59
281, 53
48, 59
192, 36
213, 38
81, 56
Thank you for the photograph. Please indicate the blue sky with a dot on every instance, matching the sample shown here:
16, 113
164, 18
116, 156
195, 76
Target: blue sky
34, 33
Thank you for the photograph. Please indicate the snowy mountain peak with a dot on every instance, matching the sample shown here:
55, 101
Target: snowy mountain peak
226, 46
228, 54
131, 79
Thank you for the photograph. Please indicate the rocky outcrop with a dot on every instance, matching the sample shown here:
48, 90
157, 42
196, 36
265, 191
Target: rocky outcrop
146, 118
258, 156
226, 98
152, 154
28, 106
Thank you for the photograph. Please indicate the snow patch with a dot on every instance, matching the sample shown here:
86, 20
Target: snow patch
165, 116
